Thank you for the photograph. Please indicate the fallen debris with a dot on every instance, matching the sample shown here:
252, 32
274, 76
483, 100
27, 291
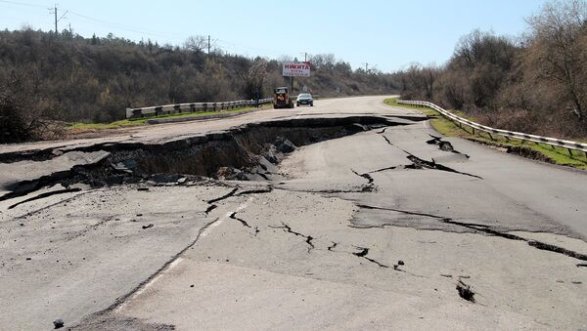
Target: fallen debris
148, 226
58, 323
465, 291
284, 145
444, 145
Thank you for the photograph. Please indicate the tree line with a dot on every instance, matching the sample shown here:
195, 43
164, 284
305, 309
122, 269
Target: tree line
536, 83
47, 77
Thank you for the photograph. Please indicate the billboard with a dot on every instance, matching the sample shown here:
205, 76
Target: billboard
296, 69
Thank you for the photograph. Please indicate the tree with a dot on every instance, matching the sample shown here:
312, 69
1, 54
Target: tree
256, 77
557, 51
196, 43
417, 82
481, 64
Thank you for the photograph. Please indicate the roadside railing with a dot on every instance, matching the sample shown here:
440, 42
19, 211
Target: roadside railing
191, 107
568, 144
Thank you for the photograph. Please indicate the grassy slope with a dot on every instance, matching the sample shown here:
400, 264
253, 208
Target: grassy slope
556, 155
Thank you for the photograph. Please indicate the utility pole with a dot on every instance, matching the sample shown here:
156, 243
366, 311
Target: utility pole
366, 67
54, 10
208, 44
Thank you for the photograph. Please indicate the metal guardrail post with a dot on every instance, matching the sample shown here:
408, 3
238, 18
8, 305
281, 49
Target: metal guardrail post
192, 107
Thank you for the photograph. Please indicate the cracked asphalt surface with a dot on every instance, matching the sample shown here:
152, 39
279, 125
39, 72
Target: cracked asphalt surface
381, 229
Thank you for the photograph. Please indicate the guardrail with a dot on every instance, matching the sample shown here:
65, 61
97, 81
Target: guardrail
191, 107
568, 144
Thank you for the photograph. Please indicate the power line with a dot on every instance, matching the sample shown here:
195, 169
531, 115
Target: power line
119, 26
54, 11
242, 46
210, 41
22, 3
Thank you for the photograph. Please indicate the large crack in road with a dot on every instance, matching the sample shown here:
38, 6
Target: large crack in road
245, 153
287, 229
419, 163
248, 152
482, 228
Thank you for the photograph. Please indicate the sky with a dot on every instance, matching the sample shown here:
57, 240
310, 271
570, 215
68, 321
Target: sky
387, 35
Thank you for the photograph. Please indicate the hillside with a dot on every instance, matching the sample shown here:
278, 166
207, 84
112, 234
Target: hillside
66, 77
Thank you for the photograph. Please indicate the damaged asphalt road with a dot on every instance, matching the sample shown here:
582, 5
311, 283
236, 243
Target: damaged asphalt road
346, 222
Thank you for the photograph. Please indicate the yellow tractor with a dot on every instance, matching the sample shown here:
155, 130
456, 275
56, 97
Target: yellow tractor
281, 98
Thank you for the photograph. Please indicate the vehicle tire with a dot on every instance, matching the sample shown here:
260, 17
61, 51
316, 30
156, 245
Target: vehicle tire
311, 104
297, 104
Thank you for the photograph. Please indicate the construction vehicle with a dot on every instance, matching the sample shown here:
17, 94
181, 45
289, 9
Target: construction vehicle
281, 98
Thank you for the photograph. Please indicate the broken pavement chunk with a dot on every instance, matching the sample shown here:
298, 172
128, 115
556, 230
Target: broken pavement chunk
284, 145
465, 291
58, 323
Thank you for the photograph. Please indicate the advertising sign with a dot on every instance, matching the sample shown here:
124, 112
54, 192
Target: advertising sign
296, 69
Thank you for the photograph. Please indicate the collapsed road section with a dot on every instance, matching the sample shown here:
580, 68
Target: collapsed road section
248, 152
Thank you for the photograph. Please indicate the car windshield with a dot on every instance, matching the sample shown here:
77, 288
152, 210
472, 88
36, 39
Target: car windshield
304, 96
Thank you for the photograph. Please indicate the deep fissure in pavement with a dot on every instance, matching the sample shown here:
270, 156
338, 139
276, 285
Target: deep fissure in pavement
265, 190
370, 186
45, 195
333, 246
223, 197
288, 229
120, 300
248, 152
418, 163
482, 228
240, 220
210, 209
362, 253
